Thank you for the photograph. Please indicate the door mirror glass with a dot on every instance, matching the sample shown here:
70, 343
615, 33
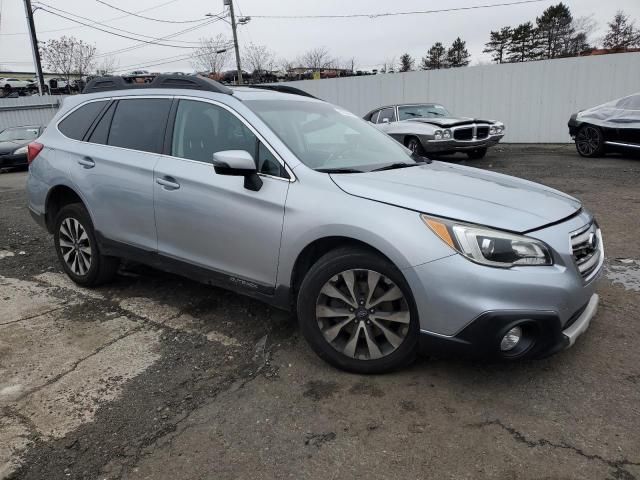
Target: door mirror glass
238, 163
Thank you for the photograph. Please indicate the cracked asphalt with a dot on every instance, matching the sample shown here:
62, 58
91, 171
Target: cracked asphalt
157, 377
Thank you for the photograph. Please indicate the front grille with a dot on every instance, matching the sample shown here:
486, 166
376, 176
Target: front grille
463, 134
587, 249
482, 132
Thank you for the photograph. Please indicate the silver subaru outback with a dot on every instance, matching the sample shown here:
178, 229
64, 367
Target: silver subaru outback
291, 200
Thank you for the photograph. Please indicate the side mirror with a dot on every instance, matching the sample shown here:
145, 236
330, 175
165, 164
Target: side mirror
385, 120
238, 163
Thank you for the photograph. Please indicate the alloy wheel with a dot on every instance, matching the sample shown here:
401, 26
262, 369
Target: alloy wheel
588, 141
75, 246
363, 314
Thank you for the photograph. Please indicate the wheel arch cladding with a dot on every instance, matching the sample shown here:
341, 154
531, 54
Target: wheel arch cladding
58, 197
318, 248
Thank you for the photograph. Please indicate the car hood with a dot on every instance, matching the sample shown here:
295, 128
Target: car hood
9, 147
464, 193
448, 122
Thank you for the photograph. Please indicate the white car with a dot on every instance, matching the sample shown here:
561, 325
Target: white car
9, 83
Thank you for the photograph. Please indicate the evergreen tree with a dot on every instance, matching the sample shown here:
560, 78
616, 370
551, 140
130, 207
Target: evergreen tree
498, 44
406, 63
524, 44
622, 33
555, 29
435, 59
458, 55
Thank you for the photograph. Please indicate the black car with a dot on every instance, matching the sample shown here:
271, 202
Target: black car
13, 145
613, 126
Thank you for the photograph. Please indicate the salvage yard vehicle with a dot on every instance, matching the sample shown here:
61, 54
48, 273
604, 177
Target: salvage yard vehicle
10, 83
13, 145
301, 204
613, 126
428, 128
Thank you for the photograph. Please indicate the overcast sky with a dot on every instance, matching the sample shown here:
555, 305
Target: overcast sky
371, 41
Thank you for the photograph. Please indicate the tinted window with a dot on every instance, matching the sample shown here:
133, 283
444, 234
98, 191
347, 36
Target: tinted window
100, 133
374, 116
76, 125
139, 124
268, 163
387, 113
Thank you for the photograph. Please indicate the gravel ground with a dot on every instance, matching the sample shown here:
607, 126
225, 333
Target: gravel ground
157, 377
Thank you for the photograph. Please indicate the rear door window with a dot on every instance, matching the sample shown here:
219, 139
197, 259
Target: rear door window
100, 133
139, 124
76, 124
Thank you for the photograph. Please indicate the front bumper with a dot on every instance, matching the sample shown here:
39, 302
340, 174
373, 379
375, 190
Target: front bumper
13, 160
466, 308
481, 339
431, 145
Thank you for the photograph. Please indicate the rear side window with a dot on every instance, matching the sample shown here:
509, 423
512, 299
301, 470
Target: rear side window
78, 122
100, 134
139, 124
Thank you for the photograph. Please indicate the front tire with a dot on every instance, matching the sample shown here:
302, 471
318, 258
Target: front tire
477, 154
77, 248
356, 311
590, 141
413, 144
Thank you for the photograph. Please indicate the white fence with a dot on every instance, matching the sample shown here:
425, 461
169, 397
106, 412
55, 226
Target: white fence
34, 110
534, 99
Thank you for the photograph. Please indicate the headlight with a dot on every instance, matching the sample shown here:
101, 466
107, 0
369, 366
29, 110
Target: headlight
490, 247
493, 130
20, 151
446, 134
438, 134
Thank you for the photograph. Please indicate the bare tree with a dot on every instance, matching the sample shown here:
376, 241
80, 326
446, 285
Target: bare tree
286, 65
317, 58
258, 58
68, 56
389, 65
108, 66
212, 55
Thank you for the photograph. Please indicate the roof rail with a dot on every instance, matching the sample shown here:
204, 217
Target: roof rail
188, 82
284, 89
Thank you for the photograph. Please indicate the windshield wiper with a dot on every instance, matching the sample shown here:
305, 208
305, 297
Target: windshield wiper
338, 170
394, 166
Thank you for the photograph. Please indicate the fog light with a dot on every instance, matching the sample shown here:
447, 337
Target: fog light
511, 339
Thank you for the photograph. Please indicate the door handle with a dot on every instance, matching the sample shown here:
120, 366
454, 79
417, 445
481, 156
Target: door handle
169, 183
87, 162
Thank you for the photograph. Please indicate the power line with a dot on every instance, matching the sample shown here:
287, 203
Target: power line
394, 14
144, 17
95, 22
108, 20
151, 42
172, 59
175, 34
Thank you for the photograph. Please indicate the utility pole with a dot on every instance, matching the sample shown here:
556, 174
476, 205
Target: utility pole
34, 45
235, 40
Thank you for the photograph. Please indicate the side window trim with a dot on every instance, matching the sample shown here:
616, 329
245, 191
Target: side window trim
374, 116
96, 121
287, 176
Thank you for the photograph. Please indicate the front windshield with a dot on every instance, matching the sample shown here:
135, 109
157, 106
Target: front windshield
427, 110
14, 134
328, 138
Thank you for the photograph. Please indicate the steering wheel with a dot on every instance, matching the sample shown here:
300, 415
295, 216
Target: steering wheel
340, 154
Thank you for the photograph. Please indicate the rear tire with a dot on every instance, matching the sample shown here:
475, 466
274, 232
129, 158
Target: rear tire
477, 154
354, 336
590, 142
77, 249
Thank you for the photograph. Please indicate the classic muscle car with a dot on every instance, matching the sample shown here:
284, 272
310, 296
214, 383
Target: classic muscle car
609, 127
428, 128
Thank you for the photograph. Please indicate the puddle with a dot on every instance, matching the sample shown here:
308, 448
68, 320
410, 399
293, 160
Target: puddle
625, 272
